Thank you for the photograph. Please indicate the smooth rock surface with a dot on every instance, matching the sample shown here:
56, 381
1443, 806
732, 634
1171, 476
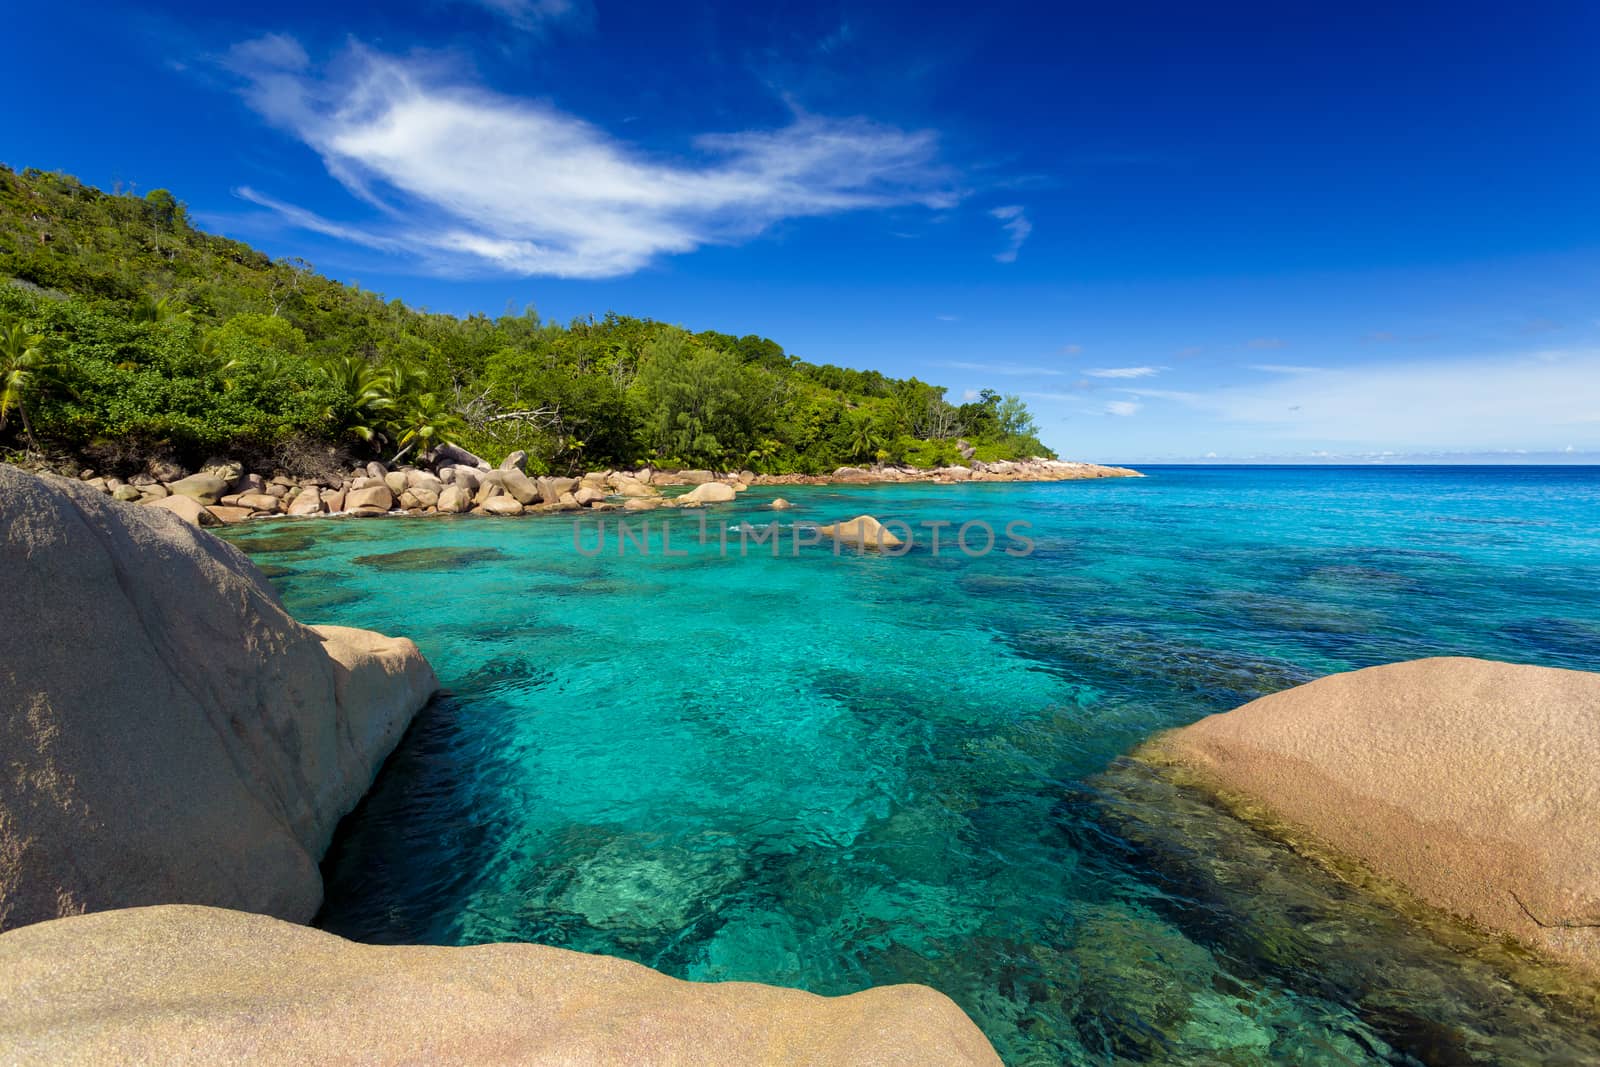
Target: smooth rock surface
309, 502
228, 516
708, 493
186, 508
454, 499
502, 505
180, 985
259, 502
522, 488
862, 530
455, 454
374, 499
206, 488
168, 733
1473, 784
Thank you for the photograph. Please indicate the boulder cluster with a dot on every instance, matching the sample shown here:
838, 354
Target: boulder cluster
452, 481
448, 481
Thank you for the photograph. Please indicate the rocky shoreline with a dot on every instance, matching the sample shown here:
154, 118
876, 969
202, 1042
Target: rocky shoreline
453, 481
166, 805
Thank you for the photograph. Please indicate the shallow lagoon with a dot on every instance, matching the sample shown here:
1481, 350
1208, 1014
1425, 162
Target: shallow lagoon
834, 771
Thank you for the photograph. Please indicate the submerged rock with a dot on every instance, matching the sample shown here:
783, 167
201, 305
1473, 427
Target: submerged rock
1472, 784
170, 733
250, 986
1412, 984
433, 558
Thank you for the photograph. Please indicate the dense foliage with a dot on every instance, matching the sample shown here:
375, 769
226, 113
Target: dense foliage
126, 332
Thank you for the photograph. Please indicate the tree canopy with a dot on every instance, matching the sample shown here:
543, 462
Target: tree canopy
128, 332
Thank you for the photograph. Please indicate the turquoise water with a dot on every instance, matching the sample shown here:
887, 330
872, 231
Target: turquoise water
835, 771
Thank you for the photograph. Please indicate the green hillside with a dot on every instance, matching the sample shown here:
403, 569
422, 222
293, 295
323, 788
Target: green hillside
127, 334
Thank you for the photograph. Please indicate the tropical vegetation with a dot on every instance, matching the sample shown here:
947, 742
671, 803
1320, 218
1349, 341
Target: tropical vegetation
127, 333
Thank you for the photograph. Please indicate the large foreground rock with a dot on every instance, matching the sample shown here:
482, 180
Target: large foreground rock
168, 734
1475, 785
177, 985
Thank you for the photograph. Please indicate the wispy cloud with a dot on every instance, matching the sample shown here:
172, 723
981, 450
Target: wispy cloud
1268, 342
948, 318
1015, 222
1123, 372
535, 15
1072, 392
1123, 407
1071, 350
477, 181
1003, 368
1535, 400
1282, 368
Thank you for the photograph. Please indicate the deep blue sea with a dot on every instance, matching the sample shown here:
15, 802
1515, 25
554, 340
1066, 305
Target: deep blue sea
833, 771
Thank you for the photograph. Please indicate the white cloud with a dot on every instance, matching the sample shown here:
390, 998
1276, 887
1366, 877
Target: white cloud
1469, 404
1071, 350
1015, 222
1268, 342
274, 51
1123, 407
1124, 372
472, 179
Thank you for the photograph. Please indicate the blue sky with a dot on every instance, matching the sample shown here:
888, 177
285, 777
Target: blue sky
1180, 231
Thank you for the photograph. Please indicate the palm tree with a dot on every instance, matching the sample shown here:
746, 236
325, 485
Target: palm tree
148, 309
425, 419
23, 368
761, 455
370, 391
865, 441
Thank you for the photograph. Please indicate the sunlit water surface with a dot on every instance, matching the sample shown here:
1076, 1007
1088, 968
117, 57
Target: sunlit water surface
836, 771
